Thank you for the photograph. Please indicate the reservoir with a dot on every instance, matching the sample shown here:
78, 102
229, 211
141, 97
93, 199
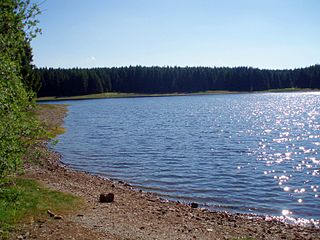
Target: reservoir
244, 153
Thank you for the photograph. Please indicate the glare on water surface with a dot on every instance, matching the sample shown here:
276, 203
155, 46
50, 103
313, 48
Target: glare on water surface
248, 153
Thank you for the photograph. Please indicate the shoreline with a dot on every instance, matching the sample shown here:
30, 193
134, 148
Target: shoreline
301, 222
130, 95
142, 215
112, 95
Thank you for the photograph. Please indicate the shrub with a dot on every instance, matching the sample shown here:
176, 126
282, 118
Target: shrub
17, 127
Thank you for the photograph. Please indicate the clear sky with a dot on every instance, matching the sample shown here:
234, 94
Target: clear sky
273, 34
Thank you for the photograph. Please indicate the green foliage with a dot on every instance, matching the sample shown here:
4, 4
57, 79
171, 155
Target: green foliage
18, 128
18, 25
12, 101
23, 198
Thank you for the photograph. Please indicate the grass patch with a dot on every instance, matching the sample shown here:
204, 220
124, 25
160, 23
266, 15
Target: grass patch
44, 112
24, 199
54, 132
50, 119
292, 90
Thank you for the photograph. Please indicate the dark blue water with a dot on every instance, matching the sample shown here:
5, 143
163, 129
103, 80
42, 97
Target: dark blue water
248, 153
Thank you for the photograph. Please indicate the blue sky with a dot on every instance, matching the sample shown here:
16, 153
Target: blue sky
273, 34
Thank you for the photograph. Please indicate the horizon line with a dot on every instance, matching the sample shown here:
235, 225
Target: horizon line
176, 66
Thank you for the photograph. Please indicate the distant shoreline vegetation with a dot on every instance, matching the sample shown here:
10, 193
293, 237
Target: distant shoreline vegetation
135, 81
127, 95
137, 95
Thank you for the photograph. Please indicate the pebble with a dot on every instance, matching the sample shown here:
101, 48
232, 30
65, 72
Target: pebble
108, 198
194, 205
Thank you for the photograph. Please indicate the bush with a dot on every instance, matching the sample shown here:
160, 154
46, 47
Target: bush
18, 128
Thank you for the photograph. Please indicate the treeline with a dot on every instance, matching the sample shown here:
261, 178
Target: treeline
139, 79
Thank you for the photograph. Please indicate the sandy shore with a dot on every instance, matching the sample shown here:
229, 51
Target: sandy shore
135, 214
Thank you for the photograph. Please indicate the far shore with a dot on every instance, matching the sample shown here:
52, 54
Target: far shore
139, 95
129, 95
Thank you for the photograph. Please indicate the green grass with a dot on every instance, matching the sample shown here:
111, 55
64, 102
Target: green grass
51, 131
24, 199
292, 90
47, 106
54, 132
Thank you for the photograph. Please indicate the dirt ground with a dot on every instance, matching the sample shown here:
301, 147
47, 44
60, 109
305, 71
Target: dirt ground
134, 214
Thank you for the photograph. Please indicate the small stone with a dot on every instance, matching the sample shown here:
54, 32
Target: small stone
108, 198
194, 205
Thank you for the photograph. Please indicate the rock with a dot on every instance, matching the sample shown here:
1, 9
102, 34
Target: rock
194, 205
108, 198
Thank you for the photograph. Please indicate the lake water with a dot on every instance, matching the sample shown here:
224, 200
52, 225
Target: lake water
247, 153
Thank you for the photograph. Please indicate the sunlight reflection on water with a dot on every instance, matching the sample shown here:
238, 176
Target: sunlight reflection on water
248, 153
288, 149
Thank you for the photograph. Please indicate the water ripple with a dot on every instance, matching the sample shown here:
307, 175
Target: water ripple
249, 153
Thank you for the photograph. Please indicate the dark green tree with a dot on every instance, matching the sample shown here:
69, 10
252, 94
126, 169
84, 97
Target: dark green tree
139, 79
